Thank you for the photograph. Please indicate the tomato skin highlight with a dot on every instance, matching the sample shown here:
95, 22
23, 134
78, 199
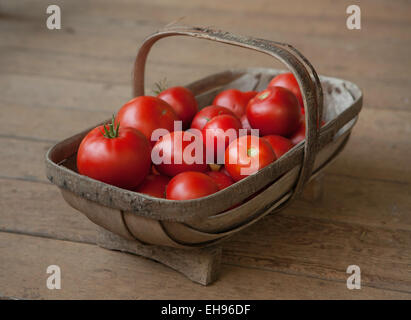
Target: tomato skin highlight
166, 146
154, 185
247, 152
274, 110
279, 144
183, 103
212, 131
287, 80
221, 179
235, 100
146, 114
208, 113
190, 185
123, 161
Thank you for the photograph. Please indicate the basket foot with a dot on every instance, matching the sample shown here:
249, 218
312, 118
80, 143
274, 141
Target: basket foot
199, 265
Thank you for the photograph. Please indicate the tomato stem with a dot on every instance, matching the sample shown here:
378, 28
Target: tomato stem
111, 132
160, 86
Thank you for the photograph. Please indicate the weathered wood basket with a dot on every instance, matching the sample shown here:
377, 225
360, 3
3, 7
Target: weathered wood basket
146, 225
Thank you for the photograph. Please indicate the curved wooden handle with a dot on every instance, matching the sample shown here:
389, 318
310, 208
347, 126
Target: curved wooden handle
301, 68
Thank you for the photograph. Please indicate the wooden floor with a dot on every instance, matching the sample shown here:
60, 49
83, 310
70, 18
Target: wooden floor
54, 83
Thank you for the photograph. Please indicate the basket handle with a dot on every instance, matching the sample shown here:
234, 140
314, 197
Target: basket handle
305, 74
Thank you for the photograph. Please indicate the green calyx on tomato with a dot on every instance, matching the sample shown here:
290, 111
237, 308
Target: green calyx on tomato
111, 132
252, 152
263, 96
160, 86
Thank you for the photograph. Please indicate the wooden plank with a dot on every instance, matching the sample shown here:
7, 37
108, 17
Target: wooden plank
359, 201
320, 248
379, 147
48, 123
104, 274
301, 239
38, 209
43, 63
325, 17
88, 42
61, 93
93, 59
13, 165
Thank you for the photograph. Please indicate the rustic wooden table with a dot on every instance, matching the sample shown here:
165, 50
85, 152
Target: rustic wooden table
54, 83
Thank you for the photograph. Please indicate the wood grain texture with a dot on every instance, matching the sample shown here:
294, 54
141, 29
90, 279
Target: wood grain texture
104, 274
55, 83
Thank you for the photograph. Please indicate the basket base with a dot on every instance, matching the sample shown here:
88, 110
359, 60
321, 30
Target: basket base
200, 265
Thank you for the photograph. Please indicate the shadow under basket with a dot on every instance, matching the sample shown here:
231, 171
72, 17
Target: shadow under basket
184, 235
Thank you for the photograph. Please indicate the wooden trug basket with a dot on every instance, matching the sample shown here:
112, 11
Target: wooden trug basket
163, 229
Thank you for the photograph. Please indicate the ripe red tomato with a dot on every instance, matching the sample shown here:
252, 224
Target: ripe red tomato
288, 81
182, 101
221, 127
235, 100
190, 185
154, 185
120, 157
223, 181
224, 170
247, 155
279, 144
244, 122
146, 114
248, 95
171, 148
299, 134
274, 110
208, 113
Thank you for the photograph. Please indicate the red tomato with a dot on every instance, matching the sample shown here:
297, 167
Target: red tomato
288, 81
208, 113
190, 185
172, 147
146, 114
279, 144
274, 110
182, 101
154, 170
223, 181
224, 170
248, 95
244, 122
119, 157
235, 100
246, 125
221, 127
247, 155
299, 135
154, 185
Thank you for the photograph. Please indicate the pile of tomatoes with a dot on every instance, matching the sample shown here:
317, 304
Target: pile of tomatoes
122, 153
